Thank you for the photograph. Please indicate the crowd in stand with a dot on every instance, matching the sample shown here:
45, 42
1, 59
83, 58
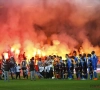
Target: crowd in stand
82, 66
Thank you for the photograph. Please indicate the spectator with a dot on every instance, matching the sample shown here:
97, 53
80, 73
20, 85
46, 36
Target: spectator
6, 70
32, 69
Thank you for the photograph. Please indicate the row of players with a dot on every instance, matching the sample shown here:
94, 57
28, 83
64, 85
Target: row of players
65, 69
82, 65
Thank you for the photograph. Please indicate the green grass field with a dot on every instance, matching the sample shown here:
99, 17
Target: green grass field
50, 84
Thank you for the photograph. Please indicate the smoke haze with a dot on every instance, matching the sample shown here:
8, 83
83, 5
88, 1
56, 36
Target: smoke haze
53, 26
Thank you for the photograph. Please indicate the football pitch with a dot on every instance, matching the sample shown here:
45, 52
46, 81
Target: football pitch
50, 84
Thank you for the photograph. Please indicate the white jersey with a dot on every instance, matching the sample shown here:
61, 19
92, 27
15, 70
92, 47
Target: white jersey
45, 69
48, 68
41, 69
51, 66
18, 69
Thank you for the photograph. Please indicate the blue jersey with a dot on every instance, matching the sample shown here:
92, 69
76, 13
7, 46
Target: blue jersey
85, 59
76, 59
89, 60
69, 63
94, 61
90, 64
81, 61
